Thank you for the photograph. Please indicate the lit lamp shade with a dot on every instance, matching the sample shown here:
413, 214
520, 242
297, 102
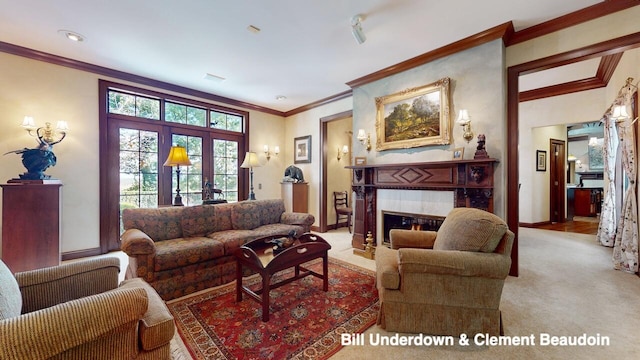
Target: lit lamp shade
250, 160
177, 157
620, 112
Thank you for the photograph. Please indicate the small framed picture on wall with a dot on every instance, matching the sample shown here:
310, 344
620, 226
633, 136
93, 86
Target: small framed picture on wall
302, 149
541, 160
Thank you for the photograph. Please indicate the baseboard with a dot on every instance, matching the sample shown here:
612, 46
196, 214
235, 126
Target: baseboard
70, 255
534, 225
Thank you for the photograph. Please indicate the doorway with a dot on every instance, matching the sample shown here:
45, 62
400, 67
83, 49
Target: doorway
331, 143
557, 181
513, 99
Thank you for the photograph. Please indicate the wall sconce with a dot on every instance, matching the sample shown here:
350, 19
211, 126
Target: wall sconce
579, 164
619, 113
364, 138
46, 134
344, 151
39, 159
593, 141
465, 122
267, 153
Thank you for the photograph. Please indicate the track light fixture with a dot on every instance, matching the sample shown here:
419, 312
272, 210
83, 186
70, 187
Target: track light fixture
356, 28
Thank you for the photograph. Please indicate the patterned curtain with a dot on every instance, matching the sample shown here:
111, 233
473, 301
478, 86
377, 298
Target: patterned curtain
607, 228
625, 249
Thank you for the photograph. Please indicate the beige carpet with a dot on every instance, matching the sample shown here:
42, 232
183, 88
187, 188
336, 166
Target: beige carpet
566, 287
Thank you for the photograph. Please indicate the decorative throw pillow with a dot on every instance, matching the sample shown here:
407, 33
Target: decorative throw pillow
198, 220
469, 229
10, 297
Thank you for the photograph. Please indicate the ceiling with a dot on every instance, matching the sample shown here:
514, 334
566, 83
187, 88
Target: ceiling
304, 50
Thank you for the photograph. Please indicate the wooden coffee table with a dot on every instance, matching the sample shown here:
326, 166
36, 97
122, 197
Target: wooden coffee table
258, 256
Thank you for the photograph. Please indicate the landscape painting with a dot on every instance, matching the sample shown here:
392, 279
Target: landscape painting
414, 117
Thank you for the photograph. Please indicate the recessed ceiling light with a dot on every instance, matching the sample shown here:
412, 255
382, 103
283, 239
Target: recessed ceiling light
281, 97
214, 78
71, 35
253, 29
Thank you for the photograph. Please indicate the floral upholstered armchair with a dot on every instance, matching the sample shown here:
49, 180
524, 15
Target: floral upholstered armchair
447, 282
78, 311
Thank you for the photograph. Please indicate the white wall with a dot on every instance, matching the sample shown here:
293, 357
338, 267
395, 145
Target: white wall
51, 93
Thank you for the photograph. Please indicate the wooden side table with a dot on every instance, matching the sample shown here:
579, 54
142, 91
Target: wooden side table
256, 255
31, 224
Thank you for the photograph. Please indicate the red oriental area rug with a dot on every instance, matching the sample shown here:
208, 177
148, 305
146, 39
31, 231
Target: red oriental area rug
305, 322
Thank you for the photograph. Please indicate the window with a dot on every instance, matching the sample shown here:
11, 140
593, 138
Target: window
133, 105
225, 168
140, 127
220, 120
190, 178
183, 114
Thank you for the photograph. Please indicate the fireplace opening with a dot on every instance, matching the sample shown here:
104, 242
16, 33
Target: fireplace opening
399, 220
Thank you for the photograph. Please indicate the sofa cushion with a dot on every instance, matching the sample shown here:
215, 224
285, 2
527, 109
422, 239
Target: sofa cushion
233, 239
10, 296
245, 215
277, 229
270, 211
198, 220
158, 223
223, 217
174, 253
469, 229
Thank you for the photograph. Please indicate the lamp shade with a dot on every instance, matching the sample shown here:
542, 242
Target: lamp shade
619, 112
463, 117
250, 160
177, 156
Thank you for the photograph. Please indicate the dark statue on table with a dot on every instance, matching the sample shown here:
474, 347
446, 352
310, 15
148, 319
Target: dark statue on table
481, 152
293, 174
39, 159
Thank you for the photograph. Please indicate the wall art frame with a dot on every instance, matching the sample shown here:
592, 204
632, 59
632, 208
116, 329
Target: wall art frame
541, 160
414, 117
302, 150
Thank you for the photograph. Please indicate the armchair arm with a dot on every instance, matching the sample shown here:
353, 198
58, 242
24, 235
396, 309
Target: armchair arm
45, 333
136, 242
156, 326
294, 218
450, 262
400, 238
43, 288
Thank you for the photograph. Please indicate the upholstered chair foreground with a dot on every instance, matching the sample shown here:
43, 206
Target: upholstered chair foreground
78, 311
447, 282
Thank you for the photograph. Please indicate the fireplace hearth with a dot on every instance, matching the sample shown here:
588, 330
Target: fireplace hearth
407, 221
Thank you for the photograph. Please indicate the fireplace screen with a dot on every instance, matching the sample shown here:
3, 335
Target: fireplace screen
418, 222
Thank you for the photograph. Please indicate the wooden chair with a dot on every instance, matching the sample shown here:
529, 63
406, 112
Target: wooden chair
341, 205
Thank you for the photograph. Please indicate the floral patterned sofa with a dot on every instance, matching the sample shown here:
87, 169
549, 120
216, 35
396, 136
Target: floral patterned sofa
181, 250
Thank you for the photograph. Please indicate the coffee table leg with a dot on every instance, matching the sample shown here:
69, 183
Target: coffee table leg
238, 281
325, 273
266, 281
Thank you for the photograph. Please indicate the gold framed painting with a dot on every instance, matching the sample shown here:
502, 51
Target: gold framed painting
414, 117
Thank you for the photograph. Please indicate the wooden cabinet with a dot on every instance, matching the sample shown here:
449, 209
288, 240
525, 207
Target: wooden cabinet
296, 197
31, 224
587, 202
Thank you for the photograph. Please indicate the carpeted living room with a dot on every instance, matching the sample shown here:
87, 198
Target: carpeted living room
285, 180
566, 287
